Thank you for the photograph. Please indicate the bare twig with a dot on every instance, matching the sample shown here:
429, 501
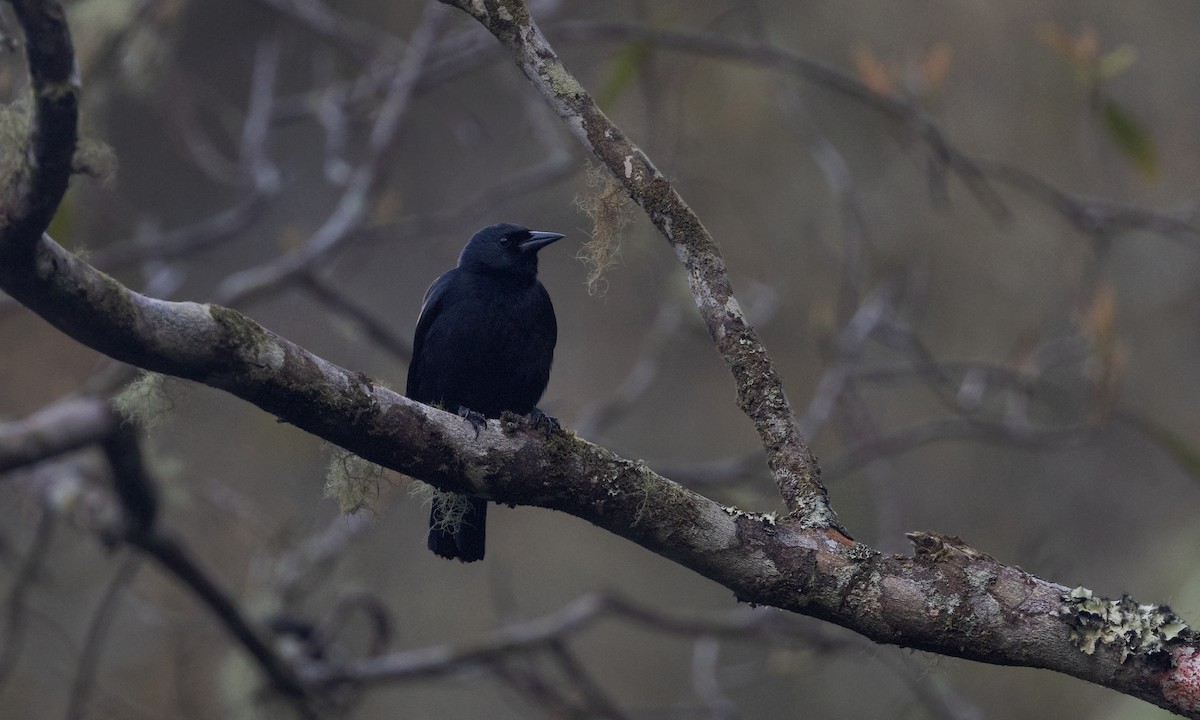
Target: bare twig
597, 418
705, 662
15, 618
170, 556
540, 634
84, 421
93, 644
376, 330
596, 700
1091, 216
947, 429
352, 208
362, 38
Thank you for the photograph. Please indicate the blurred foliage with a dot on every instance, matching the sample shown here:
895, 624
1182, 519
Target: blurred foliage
626, 67
1092, 68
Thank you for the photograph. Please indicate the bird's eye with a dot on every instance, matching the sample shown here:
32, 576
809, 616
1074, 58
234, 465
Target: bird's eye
505, 241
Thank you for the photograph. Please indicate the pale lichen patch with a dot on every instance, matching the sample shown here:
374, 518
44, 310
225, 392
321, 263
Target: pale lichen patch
1122, 624
767, 520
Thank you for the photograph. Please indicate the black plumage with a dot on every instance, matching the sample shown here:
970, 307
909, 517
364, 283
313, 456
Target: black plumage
484, 344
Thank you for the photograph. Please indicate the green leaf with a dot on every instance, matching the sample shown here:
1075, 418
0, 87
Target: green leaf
625, 69
1116, 62
1130, 136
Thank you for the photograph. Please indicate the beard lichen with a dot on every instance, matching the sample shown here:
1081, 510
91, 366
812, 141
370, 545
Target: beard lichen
352, 481
146, 401
608, 209
450, 509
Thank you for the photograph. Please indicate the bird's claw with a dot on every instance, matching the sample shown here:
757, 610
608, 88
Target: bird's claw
477, 420
541, 421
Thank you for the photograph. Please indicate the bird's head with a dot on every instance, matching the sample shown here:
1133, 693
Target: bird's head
505, 248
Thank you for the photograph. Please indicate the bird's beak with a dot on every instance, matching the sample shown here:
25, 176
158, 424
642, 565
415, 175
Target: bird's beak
539, 240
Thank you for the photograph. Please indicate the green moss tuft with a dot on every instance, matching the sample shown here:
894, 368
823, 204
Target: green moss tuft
242, 331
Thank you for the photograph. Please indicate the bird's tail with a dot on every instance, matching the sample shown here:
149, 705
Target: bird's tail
458, 527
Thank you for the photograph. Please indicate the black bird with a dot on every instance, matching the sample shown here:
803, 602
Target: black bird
483, 346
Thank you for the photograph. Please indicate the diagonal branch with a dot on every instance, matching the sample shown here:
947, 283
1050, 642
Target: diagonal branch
31, 197
759, 389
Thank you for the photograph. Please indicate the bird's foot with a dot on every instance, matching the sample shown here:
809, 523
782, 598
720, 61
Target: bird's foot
477, 420
541, 421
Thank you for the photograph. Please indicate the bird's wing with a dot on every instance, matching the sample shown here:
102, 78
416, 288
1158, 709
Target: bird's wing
430, 307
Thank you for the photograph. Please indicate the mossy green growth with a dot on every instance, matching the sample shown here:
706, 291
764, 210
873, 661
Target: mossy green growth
511, 422
242, 331
95, 159
14, 138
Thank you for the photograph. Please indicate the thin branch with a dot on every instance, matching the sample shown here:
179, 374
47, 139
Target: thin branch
15, 619
172, 558
705, 661
596, 418
98, 629
1091, 216
362, 38
597, 701
556, 628
353, 206
377, 331
96, 421
959, 429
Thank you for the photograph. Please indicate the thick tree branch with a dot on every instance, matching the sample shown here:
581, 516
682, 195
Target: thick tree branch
947, 598
33, 193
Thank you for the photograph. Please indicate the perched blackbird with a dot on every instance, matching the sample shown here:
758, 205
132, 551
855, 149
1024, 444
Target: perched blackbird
483, 345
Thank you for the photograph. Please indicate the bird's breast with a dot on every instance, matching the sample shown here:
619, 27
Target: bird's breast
489, 348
